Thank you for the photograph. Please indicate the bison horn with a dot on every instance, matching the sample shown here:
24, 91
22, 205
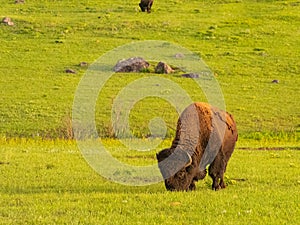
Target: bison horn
190, 160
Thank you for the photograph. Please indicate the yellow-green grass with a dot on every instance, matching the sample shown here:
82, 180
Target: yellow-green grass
49, 182
247, 44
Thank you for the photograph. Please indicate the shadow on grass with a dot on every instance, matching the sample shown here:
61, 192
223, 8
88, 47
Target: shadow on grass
102, 188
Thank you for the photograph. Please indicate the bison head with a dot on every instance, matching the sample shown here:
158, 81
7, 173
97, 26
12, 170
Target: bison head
177, 170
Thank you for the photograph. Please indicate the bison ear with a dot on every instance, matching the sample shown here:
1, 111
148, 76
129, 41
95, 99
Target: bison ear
163, 154
176, 155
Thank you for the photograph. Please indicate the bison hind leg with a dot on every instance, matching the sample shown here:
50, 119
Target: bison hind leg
149, 7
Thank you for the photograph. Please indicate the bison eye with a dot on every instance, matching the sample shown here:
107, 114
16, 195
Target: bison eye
180, 174
189, 169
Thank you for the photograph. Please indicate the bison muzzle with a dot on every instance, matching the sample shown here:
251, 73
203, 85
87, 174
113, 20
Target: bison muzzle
205, 135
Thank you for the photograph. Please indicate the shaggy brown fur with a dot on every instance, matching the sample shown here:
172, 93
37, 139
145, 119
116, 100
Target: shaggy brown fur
146, 5
208, 136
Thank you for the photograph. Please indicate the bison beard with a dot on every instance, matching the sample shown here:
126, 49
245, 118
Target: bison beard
205, 136
146, 5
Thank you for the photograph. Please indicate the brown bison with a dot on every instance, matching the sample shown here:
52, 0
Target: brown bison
205, 136
146, 5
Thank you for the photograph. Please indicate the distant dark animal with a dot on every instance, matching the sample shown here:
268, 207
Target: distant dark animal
205, 136
146, 5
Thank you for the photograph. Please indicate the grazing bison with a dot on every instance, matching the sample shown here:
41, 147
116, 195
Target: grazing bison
146, 5
205, 136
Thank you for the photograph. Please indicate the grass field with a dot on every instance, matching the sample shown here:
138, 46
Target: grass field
246, 43
50, 183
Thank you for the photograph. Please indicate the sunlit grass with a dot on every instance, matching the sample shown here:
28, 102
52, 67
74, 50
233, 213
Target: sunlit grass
49, 182
247, 44
241, 41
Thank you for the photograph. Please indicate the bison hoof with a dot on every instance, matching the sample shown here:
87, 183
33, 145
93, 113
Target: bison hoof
222, 185
192, 187
216, 187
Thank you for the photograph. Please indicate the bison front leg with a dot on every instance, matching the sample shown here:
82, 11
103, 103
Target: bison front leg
192, 186
199, 176
142, 7
222, 183
216, 172
215, 185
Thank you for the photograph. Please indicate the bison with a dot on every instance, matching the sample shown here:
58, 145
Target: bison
205, 135
146, 5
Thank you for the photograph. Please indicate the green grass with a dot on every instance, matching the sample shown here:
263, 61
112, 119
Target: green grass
50, 183
246, 43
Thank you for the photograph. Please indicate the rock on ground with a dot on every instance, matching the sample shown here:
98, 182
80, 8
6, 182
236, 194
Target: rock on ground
190, 75
163, 68
7, 21
135, 64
